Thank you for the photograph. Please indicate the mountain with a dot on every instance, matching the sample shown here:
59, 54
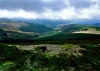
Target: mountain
52, 22
23, 26
45, 26
68, 28
38, 28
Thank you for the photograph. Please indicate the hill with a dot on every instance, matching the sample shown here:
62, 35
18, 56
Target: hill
89, 31
78, 28
73, 36
47, 29
27, 27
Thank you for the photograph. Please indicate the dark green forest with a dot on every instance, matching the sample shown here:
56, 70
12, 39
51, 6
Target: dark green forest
39, 28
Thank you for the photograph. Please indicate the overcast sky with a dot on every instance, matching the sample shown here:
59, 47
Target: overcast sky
50, 9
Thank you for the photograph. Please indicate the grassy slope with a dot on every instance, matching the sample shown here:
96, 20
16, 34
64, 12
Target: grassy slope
69, 36
89, 31
11, 25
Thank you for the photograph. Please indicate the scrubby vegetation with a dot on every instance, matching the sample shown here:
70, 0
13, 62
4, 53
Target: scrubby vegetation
68, 57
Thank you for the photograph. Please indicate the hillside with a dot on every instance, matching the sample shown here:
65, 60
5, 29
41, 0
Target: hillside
68, 28
68, 57
73, 36
38, 28
6, 25
9, 25
23, 29
89, 31
78, 28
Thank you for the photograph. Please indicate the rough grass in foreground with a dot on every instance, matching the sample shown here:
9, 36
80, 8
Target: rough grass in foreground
84, 57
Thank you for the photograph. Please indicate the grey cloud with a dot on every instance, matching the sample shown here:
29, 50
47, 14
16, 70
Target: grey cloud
57, 5
31, 5
39, 5
79, 4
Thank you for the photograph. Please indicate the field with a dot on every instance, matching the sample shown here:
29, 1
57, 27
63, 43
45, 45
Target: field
89, 31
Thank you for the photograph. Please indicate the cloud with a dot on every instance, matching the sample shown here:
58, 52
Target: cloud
50, 9
17, 14
28, 5
32, 5
81, 3
92, 12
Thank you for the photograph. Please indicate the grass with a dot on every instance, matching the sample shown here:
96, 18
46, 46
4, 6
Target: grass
67, 46
80, 57
89, 31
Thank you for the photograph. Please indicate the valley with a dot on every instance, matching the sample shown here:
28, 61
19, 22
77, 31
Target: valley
31, 46
34, 31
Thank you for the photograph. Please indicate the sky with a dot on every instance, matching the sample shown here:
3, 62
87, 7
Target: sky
50, 9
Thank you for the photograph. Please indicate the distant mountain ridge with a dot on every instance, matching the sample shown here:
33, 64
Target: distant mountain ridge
48, 29
45, 26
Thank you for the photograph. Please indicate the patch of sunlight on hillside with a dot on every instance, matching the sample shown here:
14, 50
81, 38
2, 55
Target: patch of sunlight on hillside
89, 31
